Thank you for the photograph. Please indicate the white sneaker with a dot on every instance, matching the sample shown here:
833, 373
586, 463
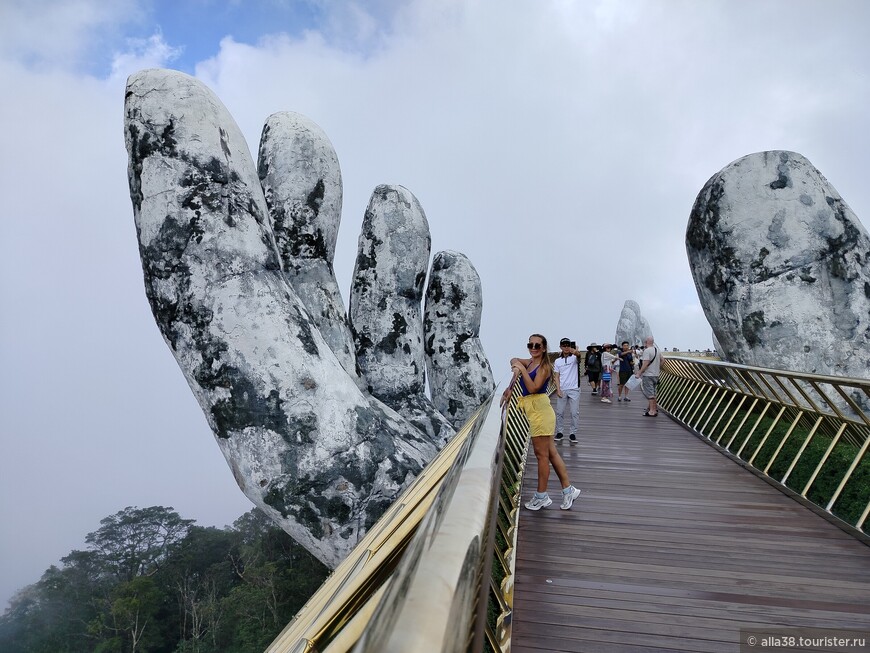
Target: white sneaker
568, 498
606, 401
537, 503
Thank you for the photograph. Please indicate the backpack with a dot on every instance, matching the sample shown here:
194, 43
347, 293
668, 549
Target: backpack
593, 362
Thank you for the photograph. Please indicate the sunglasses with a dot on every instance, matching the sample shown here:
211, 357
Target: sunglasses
534, 345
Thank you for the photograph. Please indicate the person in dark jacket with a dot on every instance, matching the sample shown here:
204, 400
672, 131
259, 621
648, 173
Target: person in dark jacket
593, 366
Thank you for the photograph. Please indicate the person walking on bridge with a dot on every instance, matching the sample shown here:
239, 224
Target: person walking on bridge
567, 376
609, 363
651, 363
531, 376
626, 369
593, 366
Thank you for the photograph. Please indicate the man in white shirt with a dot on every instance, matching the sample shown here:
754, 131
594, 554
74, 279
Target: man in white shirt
567, 376
651, 364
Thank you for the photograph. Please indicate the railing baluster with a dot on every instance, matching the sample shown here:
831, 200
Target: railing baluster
847, 475
687, 394
782, 442
824, 459
704, 410
725, 411
766, 435
715, 411
742, 422
701, 393
752, 430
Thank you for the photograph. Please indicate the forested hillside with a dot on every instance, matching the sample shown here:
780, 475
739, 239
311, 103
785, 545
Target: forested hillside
150, 581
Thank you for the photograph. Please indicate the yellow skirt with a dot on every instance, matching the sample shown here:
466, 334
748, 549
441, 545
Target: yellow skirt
540, 413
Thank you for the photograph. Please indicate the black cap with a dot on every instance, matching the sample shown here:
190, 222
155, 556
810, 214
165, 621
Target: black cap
564, 341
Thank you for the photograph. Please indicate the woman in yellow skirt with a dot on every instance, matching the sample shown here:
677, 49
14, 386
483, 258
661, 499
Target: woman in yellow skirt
531, 376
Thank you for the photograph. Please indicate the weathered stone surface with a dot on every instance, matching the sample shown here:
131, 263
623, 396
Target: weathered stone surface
716, 346
780, 263
460, 378
385, 307
632, 325
320, 456
301, 181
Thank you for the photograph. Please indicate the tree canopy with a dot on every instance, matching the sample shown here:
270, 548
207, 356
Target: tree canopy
150, 581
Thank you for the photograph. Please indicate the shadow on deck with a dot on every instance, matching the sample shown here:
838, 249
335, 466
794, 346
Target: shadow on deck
674, 547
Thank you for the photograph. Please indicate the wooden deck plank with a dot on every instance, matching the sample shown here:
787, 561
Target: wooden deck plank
673, 547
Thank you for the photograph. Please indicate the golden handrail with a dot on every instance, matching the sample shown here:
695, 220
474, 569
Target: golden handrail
807, 433
420, 579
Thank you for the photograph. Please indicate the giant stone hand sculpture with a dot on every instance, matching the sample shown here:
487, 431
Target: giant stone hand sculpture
782, 267
632, 325
238, 272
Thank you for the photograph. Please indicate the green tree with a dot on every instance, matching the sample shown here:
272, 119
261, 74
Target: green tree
152, 582
136, 541
131, 618
53, 614
200, 575
20, 630
277, 576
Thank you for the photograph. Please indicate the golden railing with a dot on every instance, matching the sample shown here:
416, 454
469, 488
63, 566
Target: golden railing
807, 433
435, 573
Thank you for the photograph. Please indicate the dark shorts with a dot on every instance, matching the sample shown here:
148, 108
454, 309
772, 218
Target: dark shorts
593, 376
623, 377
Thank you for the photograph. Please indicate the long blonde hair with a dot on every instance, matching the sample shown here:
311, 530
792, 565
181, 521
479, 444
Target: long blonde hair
546, 363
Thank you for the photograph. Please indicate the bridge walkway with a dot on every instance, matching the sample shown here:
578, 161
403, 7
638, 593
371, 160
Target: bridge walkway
674, 547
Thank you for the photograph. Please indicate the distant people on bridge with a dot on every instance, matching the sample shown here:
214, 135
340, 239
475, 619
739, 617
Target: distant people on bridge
531, 375
567, 376
651, 363
609, 361
626, 369
593, 366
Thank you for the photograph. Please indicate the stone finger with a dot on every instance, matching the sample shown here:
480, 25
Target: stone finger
460, 377
301, 181
780, 264
385, 307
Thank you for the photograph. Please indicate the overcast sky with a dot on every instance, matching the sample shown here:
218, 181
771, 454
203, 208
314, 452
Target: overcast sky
559, 144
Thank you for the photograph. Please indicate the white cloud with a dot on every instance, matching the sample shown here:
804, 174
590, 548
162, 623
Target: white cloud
526, 127
152, 52
60, 34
